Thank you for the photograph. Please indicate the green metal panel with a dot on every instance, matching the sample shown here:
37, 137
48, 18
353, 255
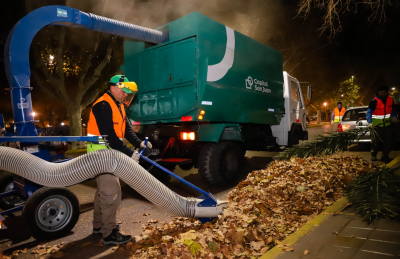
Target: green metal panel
173, 78
166, 78
219, 131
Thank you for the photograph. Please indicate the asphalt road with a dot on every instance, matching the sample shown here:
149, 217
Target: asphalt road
134, 211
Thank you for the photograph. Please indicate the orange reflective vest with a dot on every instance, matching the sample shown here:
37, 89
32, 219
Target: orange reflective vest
381, 114
119, 120
339, 115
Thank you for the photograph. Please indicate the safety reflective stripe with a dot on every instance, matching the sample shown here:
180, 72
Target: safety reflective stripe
381, 120
337, 118
381, 116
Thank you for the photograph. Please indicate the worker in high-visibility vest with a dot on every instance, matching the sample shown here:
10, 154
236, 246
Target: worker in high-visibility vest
337, 115
108, 117
381, 115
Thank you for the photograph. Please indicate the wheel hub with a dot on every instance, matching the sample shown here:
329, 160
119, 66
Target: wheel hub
53, 213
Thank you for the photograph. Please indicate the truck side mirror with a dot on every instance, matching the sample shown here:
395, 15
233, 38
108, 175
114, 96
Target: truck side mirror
309, 92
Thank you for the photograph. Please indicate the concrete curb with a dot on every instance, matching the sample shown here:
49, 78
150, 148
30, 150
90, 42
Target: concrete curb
310, 225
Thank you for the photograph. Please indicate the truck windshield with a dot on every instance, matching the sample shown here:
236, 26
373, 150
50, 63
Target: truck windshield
295, 91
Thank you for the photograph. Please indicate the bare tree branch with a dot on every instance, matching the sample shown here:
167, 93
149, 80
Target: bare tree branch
334, 8
97, 71
91, 96
45, 77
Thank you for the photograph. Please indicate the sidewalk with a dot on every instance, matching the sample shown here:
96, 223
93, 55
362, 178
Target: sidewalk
343, 235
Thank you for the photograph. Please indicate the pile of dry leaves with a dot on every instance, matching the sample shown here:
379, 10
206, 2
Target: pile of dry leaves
263, 209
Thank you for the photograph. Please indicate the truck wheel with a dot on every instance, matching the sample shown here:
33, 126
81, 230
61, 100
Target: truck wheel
51, 212
186, 167
161, 175
6, 185
220, 163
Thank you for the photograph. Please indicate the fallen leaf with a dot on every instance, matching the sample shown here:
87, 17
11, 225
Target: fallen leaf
306, 252
336, 233
193, 246
87, 243
289, 249
213, 246
257, 245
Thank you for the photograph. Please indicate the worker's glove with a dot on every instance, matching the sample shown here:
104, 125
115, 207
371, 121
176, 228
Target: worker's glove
393, 119
135, 156
332, 122
370, 125
148, 145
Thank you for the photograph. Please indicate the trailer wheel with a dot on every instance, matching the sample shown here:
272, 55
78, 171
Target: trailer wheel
220, 163
6, 185
51, 212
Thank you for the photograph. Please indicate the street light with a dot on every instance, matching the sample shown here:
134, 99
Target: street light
33, 115
325, 104
62, 123
342, 95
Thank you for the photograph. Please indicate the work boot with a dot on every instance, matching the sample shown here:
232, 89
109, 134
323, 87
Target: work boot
116, 238
97, 230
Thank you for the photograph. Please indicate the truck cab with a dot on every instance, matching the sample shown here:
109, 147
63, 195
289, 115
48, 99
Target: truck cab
293, 126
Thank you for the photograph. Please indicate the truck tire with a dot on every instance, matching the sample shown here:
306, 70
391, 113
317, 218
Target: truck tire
161, 175
220, 163
6, 185
51, 212
186, 167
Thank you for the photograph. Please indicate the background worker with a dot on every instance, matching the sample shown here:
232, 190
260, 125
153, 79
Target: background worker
337, 115
381, 114
108, 117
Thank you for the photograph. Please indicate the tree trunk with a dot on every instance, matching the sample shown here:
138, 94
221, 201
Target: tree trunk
75, 123
318, 116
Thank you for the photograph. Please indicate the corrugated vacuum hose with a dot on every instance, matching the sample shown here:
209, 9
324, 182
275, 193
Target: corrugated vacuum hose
95, 163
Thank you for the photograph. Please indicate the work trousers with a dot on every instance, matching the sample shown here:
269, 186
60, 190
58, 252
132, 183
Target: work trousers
106, 203
381, 139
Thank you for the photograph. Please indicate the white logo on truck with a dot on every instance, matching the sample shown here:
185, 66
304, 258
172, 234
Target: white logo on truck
249, 82
259, 85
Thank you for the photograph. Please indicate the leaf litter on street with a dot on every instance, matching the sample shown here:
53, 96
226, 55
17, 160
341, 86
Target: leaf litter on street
262, 210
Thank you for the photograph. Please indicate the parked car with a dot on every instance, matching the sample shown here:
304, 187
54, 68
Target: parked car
313, 117
355, 118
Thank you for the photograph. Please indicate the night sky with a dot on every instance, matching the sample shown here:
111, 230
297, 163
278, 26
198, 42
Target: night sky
364, 50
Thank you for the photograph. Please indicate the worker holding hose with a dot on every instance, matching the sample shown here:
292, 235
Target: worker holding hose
108, 118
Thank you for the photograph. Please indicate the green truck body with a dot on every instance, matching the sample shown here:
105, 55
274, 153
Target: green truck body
217, 84
173, 83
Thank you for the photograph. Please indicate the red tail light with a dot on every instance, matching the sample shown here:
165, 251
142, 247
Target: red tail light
186, 118
340, 128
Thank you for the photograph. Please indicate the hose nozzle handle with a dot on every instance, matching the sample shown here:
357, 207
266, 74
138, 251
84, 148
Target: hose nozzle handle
145, 143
